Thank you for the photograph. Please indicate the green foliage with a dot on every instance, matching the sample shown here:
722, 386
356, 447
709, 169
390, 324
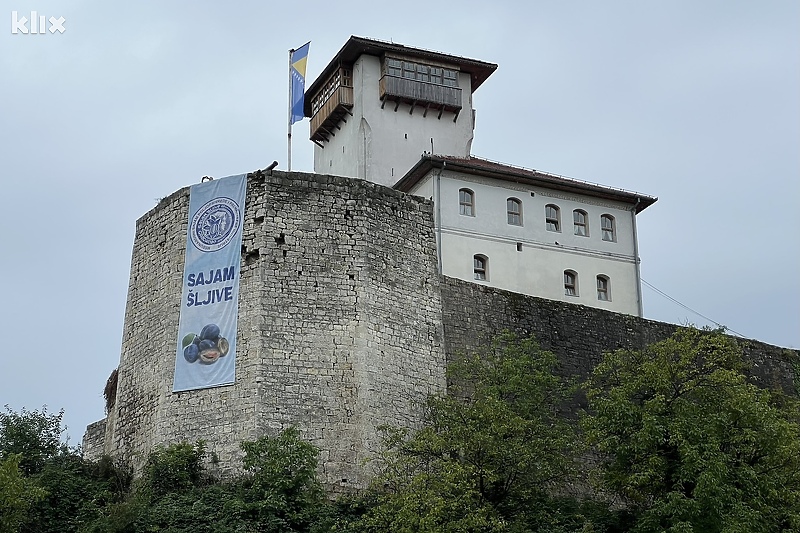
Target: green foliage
280, 492
17, 494
687, 443
176, 468
35, 435
283, 493
77, 492
490, 454
690, 444
69, 491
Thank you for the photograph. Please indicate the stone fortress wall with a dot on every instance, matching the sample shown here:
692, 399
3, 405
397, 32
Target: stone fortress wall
344, 325
339, 326
579, 335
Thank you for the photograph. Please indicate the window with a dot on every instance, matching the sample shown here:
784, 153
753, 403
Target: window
450, 78
581, 223
552, 217
570, 283
466, 202
394, 67
602, 288
479, 264
514, 209
421, 72
341, 78
609, 230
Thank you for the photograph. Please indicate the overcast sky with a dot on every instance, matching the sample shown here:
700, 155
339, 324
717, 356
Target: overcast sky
697, 103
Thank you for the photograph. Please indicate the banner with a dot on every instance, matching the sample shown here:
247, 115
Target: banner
206, 354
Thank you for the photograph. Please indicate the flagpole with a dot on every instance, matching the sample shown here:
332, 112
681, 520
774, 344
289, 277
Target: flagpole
289, 119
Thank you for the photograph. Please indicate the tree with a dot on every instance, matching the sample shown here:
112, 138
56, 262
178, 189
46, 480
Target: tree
35, 435
77, 490
17, 494
283, 493
491, 454
689, 444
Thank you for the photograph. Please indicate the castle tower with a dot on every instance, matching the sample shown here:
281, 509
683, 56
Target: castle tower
403, 117
339, 326
377, 107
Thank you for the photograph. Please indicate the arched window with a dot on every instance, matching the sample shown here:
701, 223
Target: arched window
480, 265
552, 216
570, 283
514, 210
603, 288
609, 228
581, 222
466, 202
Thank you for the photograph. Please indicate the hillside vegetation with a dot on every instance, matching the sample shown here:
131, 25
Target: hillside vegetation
674, 438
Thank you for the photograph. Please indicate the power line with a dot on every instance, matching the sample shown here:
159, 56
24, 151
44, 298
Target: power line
665, 295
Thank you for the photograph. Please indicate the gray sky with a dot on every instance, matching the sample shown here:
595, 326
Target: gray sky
697, 103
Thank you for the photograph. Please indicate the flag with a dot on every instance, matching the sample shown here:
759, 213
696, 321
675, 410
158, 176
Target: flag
297, 59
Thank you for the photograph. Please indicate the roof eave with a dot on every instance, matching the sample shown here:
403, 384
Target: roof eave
357, 46
428, 163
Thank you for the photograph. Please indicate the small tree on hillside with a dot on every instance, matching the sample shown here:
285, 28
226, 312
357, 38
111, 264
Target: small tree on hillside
492, 452
35, 435
690, 444
17, 494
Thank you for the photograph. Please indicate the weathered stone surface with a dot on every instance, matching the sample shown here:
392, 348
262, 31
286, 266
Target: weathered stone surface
344, 326
577, 334
339, 325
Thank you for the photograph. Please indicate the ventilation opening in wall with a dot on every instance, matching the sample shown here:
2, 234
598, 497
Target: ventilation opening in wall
251, 257
519, 246
258, 220
280, 239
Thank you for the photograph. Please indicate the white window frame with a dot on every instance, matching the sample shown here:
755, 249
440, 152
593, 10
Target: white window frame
555, 221
580, 223
570, 283
609, 233
514, 218
466, 208
603, 288
480, 267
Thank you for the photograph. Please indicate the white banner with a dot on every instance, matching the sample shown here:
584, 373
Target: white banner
206, 354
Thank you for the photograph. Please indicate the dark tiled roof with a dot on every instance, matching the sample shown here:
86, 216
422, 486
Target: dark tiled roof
358, 46
491, 169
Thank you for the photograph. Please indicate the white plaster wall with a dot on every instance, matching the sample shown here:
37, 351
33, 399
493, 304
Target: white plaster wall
381, 145
538, 268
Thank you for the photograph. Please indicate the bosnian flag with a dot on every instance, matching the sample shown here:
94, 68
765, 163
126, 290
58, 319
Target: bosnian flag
297, 58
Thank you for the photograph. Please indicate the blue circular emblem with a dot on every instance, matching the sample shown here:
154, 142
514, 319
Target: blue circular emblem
214, 224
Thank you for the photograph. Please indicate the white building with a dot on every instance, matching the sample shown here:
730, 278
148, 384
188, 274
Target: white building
380, 111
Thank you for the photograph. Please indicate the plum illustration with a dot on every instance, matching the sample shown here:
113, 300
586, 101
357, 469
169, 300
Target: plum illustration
210, 332
206, 345
191, 353
223, 346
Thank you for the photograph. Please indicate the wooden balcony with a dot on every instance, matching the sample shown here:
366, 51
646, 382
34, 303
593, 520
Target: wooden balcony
414, 92
326, 120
